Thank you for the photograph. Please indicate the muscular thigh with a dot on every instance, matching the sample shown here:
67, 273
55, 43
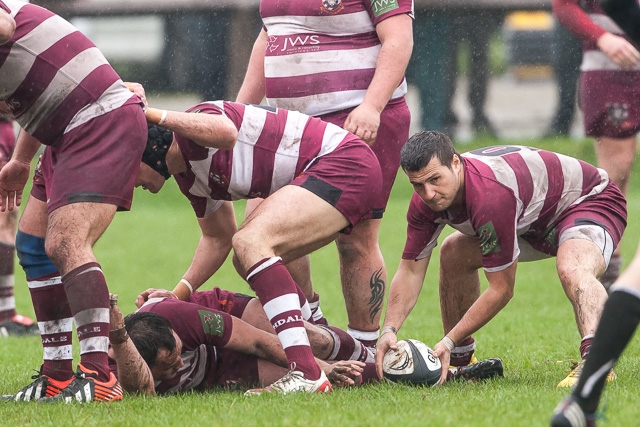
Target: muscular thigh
293, 220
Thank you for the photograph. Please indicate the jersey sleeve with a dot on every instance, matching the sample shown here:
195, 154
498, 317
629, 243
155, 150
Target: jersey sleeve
379, 10
422, 230
576, 20
195, 324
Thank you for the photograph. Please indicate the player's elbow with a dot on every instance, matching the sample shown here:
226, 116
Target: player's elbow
228, 136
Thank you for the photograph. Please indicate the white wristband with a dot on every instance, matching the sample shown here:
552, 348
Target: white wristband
186, 282
387, 329
448, 342
162, 118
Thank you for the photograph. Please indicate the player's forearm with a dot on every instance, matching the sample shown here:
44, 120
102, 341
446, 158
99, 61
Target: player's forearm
252, 90
7, 27
404, 292
576, 20
26, 147
485, 308
207, 260
207, 130
133, 373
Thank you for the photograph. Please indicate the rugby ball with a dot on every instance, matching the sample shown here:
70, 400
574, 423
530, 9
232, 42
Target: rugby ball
413, 363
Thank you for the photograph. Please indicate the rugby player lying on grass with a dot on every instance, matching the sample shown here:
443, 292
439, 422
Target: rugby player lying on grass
209, 342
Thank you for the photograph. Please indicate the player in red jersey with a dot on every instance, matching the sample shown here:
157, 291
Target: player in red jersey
509, 204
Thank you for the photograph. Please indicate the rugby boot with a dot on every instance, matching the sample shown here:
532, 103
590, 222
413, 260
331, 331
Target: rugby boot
486, 369
19, 326
86, 388
42, 386
574, 375
295, 382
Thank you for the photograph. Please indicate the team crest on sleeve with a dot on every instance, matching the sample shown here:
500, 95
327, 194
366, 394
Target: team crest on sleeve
488, 239
212, 323
332, 6
383, 6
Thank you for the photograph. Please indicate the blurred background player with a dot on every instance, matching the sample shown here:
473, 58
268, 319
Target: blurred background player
344, 62
11, 323
621, 314
609, 94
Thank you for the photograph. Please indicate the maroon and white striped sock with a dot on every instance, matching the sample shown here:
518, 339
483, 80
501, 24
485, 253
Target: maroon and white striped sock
7, 279
88, 297
279, 296
55, 322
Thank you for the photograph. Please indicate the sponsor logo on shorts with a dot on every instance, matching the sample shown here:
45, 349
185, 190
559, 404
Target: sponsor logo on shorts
332, 6
383, 6
488, 239
212, 323
617, 113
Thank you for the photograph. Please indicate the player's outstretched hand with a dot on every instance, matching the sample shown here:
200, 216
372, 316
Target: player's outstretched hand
387, 340
442, 352
13, 177
153, 293
364, 122
345, 373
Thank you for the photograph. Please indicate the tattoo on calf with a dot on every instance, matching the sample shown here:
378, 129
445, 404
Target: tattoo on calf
377, 293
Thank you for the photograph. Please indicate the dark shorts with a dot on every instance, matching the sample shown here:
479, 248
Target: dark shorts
232, 303
610, 102
236, 370
392, 135
7, 141
96, 162
349, 179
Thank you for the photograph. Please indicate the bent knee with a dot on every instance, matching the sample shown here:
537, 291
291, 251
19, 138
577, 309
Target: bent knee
459, 249
32, 255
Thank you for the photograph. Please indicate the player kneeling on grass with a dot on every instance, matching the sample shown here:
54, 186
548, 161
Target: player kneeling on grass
508, 204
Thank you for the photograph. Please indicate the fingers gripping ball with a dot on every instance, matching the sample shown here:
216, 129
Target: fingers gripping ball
155, 153
413, 363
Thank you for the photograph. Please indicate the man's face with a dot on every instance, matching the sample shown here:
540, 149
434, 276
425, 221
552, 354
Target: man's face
437, 185
168, 363
149, 179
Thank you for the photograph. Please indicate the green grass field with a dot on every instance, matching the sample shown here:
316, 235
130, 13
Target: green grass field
535, 335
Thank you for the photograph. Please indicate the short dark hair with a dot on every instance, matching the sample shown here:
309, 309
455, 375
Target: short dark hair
418, 151
150, 332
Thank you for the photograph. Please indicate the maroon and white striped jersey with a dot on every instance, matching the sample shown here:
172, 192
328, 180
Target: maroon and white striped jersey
510, 192
321, 54
52, 77
273, 147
